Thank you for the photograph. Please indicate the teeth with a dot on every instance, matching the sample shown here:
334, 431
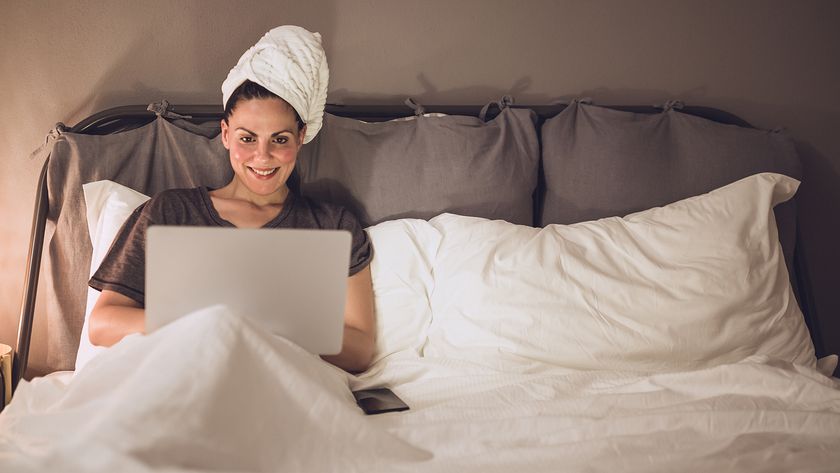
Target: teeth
264, 173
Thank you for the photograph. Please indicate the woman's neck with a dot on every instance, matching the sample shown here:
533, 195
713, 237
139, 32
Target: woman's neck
248, 210
238, 192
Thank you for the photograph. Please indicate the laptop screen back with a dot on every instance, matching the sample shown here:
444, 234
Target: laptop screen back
292, 282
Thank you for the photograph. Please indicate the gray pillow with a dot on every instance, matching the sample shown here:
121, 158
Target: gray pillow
426, 165
600, 162
179, 159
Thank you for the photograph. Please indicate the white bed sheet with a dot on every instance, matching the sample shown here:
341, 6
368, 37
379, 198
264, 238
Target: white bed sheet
757, 415
212, 393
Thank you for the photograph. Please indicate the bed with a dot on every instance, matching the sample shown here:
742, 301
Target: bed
562, 287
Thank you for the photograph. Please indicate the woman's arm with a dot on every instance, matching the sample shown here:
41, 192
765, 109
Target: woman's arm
113, 317
359, 325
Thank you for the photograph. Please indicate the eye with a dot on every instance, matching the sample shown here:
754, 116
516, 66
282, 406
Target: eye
246, 139
281, 140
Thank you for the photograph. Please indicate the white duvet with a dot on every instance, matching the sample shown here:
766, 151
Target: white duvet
212, 393
689, 354
209, 392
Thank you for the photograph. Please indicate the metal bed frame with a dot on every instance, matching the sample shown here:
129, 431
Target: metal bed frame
124, 118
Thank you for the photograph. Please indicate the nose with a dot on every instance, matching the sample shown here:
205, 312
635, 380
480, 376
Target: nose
263, 151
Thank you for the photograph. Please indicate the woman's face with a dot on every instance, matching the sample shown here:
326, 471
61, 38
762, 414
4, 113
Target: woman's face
263, 140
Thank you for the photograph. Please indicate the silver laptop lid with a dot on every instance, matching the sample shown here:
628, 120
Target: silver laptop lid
290, 281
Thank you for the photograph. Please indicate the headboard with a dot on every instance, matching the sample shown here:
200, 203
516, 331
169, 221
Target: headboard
548, 129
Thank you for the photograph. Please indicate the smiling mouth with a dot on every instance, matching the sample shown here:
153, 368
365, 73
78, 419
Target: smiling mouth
263, 172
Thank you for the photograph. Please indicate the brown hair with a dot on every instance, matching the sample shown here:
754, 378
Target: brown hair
250, 90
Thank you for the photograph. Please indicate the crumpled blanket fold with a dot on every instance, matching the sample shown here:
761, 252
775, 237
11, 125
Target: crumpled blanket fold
207, 392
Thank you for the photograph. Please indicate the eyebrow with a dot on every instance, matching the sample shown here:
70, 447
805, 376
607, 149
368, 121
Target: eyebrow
272, 135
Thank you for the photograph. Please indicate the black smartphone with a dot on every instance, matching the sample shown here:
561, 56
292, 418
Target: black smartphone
379, 401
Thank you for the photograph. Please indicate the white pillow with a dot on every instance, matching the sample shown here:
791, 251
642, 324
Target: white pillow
696, 283
108, 206
401, 269
404, 252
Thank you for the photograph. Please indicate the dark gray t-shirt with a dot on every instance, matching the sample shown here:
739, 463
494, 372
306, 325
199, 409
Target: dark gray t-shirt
123, 269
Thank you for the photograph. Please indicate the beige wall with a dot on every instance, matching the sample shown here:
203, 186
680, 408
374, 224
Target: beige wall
774, 63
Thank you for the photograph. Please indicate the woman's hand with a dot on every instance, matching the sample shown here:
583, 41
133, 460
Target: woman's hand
113, 317
359, 325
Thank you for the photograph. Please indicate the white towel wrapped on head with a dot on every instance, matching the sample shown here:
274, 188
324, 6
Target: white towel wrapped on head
290, 62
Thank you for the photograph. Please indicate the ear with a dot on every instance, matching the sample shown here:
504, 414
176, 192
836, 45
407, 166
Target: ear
225, 137
301, 135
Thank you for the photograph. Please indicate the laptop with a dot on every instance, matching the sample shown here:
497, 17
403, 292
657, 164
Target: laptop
292, 282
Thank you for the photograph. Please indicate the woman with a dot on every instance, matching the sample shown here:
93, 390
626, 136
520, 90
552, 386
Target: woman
274, 102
